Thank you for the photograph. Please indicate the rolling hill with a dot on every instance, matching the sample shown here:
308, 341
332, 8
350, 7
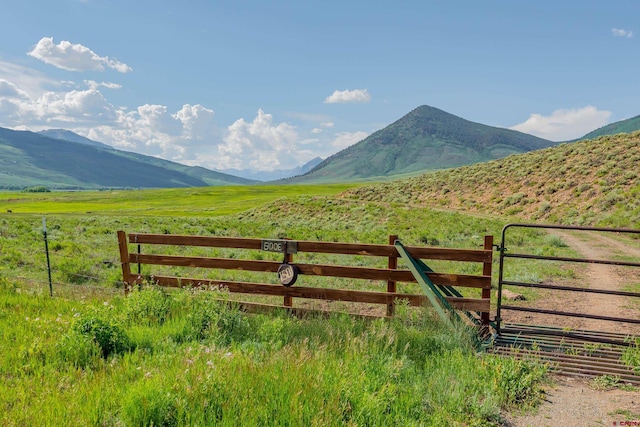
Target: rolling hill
30, 159
623, 126
425, 139
586, 182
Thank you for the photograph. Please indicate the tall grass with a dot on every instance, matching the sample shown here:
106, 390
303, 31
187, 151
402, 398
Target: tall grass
190, 360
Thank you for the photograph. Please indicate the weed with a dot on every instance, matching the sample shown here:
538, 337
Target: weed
519, 379
605, 382
149, 404
631, 355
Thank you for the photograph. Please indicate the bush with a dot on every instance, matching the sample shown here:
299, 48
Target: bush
110, 338
211, 318
150, 306
75, 270
519, 381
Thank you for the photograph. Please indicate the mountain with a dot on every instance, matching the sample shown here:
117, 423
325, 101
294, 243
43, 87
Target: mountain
67, 135
425, 139
31, 159
623, 126
275, 174
589, 182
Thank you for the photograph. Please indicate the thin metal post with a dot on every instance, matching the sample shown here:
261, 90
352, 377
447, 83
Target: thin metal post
46, 249
502, 250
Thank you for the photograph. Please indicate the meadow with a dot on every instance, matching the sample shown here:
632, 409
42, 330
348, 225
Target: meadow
180, 357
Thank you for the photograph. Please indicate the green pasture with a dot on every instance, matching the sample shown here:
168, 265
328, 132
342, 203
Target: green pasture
201, 201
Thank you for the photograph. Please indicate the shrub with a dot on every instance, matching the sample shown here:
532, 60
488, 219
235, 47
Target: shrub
211, 318
150, 305
110, 338
519, 380
75, 270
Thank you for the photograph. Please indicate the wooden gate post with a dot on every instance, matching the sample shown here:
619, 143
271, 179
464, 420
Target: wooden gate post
391, 284
124, 260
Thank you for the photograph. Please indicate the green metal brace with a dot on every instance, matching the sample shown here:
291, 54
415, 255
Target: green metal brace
437, 300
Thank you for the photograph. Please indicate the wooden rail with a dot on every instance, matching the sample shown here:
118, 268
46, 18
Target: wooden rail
391, 275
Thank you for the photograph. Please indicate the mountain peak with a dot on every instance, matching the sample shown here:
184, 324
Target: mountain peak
426, 138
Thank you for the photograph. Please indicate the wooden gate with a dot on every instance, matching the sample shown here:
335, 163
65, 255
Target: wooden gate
388, 278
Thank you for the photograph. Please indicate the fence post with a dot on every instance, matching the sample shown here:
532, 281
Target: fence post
124, 260
486, 270
46, 249
391, 284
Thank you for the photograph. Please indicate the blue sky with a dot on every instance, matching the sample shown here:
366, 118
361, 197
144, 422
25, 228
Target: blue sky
270, 85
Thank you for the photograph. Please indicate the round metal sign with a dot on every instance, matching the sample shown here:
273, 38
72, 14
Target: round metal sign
288, 274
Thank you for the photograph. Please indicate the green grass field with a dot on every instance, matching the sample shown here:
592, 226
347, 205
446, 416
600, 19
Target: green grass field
201, 201
91, 355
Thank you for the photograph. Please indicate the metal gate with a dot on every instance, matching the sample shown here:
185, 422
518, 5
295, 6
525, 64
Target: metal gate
541, 330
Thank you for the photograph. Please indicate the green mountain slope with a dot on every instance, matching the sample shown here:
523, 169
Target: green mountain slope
583, 183
623, 126
67, 135
425, 139
28, 159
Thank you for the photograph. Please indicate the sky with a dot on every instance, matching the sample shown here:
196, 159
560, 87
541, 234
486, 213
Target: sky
271, 85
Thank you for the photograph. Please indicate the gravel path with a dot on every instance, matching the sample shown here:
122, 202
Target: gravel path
573, 402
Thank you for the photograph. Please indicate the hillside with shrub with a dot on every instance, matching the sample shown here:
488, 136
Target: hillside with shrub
587, 182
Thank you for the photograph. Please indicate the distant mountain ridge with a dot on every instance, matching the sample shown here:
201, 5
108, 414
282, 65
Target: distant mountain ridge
32, 159
425, 139
275, 174
67, 135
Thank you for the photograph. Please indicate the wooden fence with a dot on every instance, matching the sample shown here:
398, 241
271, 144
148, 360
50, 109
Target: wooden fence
391, 275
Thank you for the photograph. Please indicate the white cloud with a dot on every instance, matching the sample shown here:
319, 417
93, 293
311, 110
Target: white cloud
348, 97
28, 80
563, 125
316, 130
73, 57
346, 139
327, 124
197, 121
95, 85
260, 145
10, 90
619, 32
